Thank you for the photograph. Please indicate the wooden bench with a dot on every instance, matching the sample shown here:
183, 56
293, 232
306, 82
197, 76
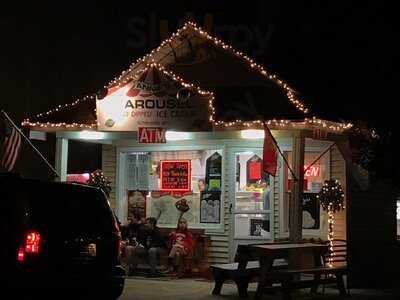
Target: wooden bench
194, 264
242, 277
333, 270
287, 280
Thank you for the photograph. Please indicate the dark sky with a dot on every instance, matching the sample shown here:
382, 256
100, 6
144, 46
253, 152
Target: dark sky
341, 55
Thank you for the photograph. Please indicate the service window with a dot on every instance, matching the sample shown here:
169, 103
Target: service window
314, 178
252, 213
170, 184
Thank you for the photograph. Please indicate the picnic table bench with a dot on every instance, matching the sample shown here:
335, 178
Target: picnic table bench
240, 274
274, 271
290, 278
287, 280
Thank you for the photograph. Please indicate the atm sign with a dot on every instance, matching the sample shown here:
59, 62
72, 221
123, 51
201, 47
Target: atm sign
151, 135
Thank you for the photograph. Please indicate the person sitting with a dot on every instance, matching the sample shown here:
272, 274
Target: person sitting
180, 244
130, 234
151, 245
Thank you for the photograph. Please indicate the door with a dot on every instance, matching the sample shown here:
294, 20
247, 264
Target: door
251, 202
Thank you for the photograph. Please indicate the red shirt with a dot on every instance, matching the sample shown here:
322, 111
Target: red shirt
185, 238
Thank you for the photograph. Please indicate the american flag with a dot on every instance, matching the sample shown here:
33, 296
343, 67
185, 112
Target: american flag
10, 145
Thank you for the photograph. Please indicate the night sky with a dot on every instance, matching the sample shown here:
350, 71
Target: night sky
341, 56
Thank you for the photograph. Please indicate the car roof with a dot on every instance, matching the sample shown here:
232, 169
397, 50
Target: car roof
16, 178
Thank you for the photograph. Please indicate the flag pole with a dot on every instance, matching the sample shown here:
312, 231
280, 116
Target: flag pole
29, 142
283, 156
319, 157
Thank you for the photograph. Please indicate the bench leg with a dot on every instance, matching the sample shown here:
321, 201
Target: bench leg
219, 281
314, 288
242, 286
340, 284
286, 289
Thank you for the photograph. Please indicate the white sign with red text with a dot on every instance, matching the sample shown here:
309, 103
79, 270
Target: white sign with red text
145, 103
151, 135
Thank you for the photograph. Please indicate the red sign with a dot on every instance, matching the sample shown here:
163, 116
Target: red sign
151, 135
255, 170
175, 175
312, 171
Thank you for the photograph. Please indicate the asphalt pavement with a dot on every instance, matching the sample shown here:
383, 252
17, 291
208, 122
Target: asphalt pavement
137, 288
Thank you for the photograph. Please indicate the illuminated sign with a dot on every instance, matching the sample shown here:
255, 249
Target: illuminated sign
152, 101
151, 135
82, 178
175, 175
312, 171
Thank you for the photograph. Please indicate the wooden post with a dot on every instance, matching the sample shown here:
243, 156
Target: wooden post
62, 158
295, 205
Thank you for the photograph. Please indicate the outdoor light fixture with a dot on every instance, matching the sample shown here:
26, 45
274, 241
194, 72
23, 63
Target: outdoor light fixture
91, 135
252, 134
176, 136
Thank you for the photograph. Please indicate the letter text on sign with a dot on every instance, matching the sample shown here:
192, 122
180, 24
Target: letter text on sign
151, 135
175, 175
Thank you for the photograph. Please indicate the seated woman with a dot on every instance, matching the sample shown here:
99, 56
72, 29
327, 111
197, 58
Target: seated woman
180, 244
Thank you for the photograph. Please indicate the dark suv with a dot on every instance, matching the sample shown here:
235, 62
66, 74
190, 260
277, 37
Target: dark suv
58, 235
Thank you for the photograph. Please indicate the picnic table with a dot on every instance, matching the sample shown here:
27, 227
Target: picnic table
290, 277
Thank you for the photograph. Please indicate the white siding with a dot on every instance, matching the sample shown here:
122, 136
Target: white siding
276, 201
219, 249
338, 171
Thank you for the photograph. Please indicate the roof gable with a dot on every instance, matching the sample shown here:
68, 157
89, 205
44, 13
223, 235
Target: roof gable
210, 63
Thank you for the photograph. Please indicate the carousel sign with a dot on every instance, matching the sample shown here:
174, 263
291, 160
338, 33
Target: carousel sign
152, 101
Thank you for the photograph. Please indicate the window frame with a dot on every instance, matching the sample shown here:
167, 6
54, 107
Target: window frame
235, 151
284, 214
121, 195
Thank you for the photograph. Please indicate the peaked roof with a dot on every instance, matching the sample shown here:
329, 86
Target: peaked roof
235, 78
246, 93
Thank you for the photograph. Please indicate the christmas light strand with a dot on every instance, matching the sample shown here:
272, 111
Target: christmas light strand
331, 198
61, 107
159, 67
130, 74
314, 122
290, 93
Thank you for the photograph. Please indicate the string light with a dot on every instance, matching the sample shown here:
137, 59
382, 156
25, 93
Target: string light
149, 61
159, 67
331, 198
126, 75
98, 179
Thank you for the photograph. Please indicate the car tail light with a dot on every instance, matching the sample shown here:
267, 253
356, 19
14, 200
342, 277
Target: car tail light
31, 245
32, 242
21, 254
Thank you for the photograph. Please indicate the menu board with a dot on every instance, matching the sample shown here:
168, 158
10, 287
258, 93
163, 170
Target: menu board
175, 175
213, 172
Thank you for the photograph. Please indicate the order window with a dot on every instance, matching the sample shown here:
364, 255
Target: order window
314, 178
170, 184
252, 197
